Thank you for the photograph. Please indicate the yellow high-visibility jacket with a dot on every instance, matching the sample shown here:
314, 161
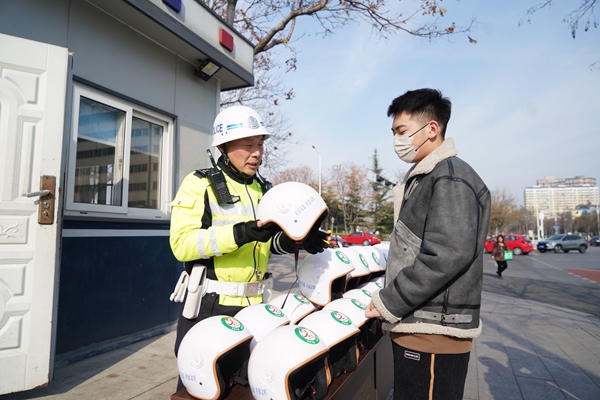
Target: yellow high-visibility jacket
202, 231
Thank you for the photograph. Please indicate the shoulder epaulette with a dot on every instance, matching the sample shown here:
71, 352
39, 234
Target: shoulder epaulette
202, 173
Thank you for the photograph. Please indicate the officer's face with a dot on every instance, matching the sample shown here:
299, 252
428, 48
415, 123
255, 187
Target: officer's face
246, 153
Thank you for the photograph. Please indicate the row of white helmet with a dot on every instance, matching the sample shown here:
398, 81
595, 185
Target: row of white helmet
289, 346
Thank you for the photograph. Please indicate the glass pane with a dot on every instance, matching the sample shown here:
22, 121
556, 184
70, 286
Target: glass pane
99, 164
145, 161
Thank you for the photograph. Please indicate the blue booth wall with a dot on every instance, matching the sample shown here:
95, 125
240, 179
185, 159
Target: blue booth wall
115, 283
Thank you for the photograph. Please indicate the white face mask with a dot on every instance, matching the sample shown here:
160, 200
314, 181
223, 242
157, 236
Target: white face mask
404, 148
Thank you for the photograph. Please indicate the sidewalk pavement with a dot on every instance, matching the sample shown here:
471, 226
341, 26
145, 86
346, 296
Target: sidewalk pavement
527, 350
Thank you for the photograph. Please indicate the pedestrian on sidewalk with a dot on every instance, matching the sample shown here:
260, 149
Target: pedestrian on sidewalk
498, 254
432, 298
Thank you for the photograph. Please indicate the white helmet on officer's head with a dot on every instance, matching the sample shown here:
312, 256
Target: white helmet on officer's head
294, 206
295, 306
237, 122
288, 363
361, 270
322, 276
339, 333
260, 319
212, 354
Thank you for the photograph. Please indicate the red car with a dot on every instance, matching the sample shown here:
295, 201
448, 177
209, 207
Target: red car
519, 244
364, 238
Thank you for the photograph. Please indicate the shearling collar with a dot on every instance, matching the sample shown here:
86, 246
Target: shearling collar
426, 165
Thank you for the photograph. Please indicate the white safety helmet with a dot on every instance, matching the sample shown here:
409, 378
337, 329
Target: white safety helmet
288, 363
339, 333
383, 254
372, 256
212, 354
237, 122
322, 276
379, 280
363, 295
371, 286
353, 308
294, 206
361, 270
295, 306
261, 319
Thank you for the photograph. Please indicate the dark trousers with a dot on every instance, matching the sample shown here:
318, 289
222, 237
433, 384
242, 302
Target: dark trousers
210, 306
422, 376
502, 265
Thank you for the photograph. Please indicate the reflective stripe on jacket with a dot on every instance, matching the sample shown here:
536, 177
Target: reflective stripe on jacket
201, 229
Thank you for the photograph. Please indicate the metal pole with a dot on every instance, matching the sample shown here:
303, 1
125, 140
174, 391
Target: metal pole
319, 168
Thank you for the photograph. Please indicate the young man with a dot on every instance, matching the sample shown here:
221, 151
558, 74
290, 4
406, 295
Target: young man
225, 237
431, 301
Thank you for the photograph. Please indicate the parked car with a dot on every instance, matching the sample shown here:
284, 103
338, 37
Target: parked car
364, 238
595, 241
560, 243
519, 244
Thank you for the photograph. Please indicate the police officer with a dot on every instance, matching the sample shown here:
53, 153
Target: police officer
214, 225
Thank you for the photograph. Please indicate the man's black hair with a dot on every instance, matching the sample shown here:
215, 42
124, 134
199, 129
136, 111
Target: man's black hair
423, 104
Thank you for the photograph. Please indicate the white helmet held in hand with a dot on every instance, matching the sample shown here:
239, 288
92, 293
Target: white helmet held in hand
295, 306
294, 206
237, 122
261, 319
339, 333
322, 276
287, 364
212, 354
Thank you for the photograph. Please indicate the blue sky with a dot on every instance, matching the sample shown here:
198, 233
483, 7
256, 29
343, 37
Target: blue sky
525, 102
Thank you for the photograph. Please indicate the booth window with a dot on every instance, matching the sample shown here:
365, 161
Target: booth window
119, 157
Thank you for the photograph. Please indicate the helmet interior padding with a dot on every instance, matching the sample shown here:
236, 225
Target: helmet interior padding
304, 383
232, 367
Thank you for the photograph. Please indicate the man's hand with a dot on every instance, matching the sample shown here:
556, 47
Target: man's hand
371, 311
315, 241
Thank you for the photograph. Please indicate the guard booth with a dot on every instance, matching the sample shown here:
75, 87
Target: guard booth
105, 106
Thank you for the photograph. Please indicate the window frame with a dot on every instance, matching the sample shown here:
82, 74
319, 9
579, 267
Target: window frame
131, 110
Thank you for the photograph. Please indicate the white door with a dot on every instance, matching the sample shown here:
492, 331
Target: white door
33, 79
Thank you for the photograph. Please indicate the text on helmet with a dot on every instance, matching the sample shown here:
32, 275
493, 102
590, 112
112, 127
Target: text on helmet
304, 205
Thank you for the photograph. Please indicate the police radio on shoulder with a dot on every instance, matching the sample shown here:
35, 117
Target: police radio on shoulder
217, 181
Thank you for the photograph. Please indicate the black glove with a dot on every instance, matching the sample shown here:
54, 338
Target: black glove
315, 241
246, 232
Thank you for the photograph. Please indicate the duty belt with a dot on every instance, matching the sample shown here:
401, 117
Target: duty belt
239, 289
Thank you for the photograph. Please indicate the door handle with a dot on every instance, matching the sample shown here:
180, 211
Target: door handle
46, 199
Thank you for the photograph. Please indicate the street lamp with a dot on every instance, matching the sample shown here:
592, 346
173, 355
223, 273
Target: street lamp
319, 168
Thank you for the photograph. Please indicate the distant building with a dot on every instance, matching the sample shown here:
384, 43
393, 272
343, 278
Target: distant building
555, 195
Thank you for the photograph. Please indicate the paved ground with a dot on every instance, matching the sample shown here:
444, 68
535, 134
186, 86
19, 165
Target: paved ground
533, 350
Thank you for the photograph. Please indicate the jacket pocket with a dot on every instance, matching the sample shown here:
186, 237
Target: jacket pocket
404, 248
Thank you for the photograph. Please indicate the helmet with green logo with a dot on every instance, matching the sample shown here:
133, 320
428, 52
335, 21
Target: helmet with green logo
371, 286
363, 295
353, 308
339, 333
289, 363
237, 122
212, 354
361, 271
295, 306
261, 319
322, 276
